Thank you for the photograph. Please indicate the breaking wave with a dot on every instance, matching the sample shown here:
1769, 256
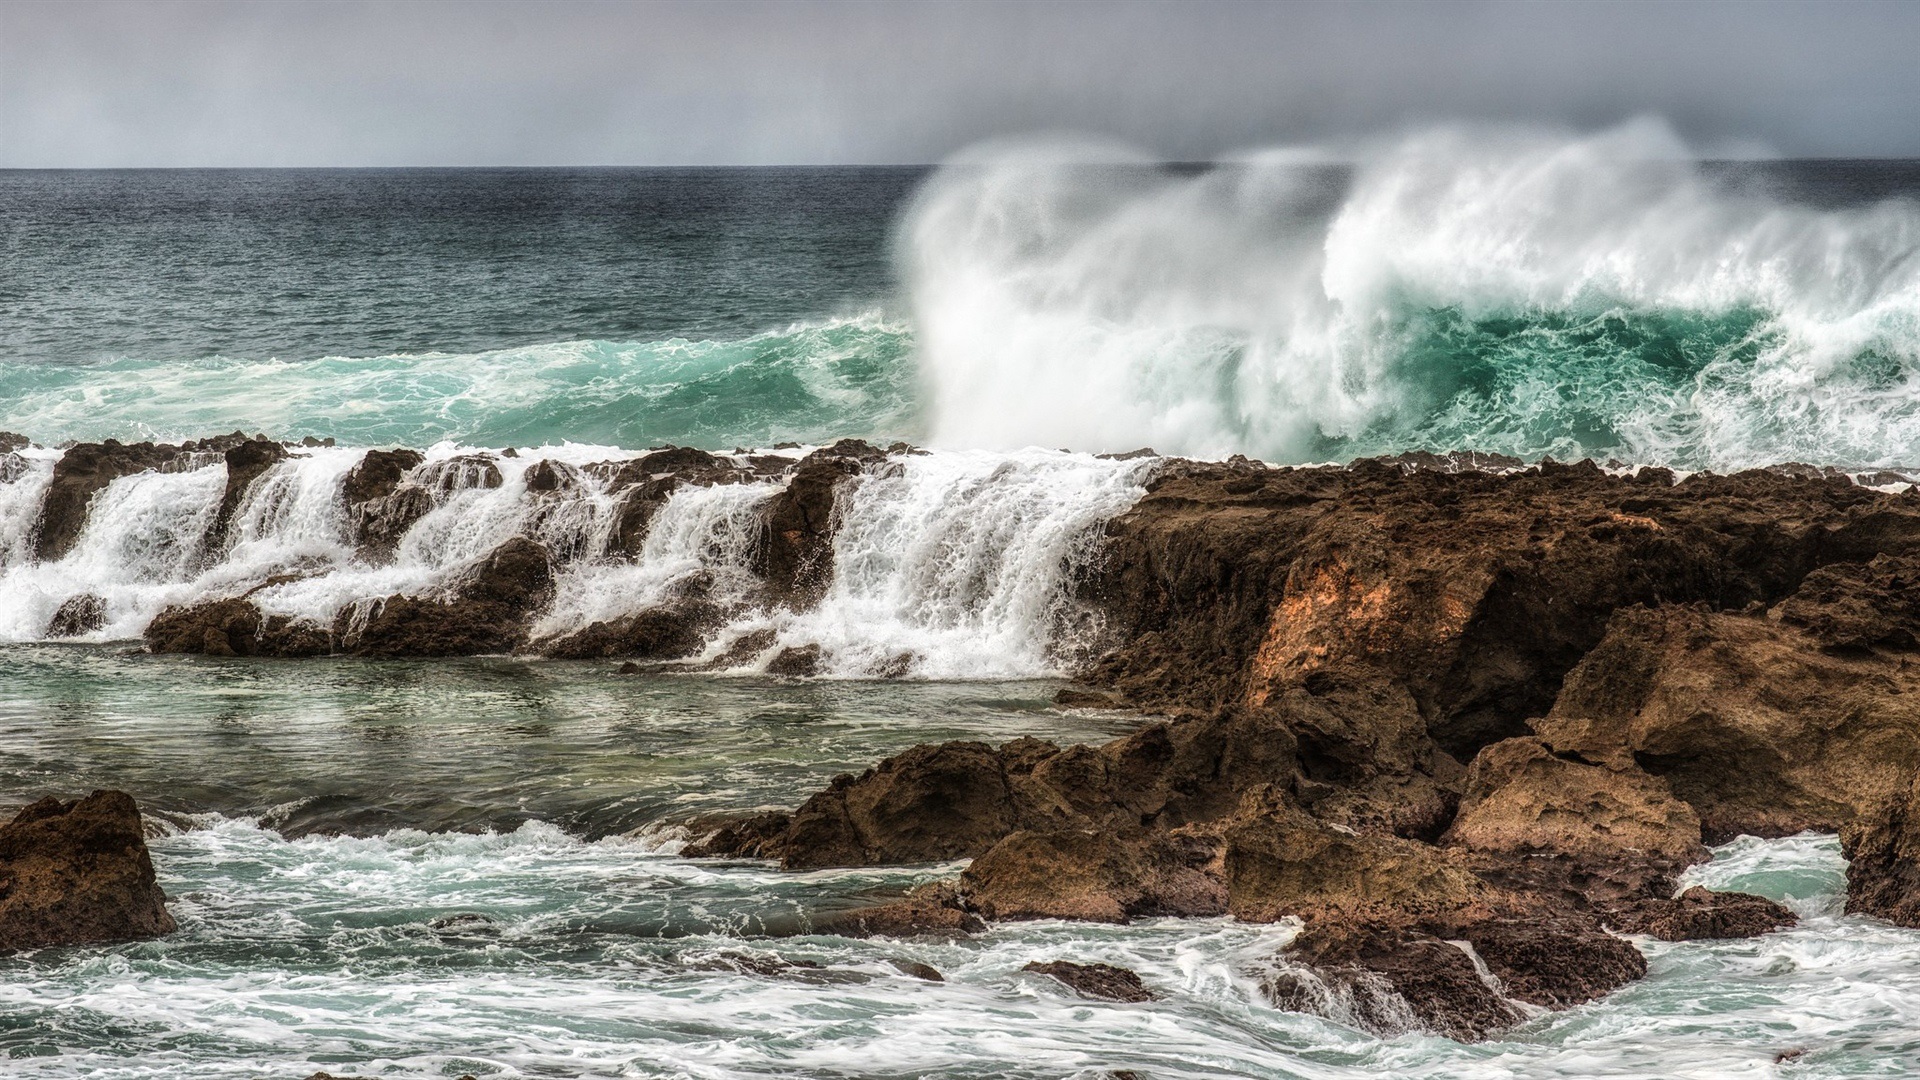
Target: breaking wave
1602, 296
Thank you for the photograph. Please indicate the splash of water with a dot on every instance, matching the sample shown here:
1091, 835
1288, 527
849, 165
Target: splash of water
1600, 295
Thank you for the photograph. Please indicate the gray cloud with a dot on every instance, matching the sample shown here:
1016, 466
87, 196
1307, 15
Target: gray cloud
103, 84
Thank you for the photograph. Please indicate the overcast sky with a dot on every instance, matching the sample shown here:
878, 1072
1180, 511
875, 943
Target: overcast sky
457, 83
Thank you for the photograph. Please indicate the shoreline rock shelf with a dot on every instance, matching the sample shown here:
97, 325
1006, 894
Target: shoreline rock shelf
1469, 728
1469, 721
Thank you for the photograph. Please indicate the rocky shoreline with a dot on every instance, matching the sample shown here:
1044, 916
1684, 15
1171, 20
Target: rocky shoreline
1468, 720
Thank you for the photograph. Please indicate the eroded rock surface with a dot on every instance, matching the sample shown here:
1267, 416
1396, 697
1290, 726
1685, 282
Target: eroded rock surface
78, 872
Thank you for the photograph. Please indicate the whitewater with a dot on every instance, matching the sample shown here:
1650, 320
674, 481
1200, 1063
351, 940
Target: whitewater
434, 868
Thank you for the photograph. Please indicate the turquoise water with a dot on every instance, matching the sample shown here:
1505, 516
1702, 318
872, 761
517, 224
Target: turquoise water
428, 869
497, 905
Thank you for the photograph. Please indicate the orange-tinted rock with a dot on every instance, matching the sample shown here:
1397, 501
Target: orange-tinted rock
1520, 798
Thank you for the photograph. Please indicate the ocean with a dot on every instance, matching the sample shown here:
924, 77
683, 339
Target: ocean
424, 869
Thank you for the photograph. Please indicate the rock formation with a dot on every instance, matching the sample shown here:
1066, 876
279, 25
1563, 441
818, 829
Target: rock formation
76, 873
1418, 707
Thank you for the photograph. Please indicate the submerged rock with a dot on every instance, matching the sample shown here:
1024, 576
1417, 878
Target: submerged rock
75, 873
1387, 979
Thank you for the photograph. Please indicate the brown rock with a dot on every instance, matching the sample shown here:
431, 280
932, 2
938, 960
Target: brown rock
78, 476
669, 632
1553, 960
82, 614
76, 873
1103, 981
381, 504
748, 836
1883, 860
214, 628
1095, 876
796, 558
246, 463
931, 910
11, 441
1280, 862
795, 663
918, 970
488, 612
928, 804
1747, 719
1700, 915
1521, 798
1388, 979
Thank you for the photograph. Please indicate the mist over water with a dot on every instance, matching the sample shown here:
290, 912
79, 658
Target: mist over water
1602, 296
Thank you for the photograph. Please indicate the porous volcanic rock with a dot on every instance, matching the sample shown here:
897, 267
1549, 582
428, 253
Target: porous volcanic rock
1103, 981
11, 441
1521, 798
1387, 978
234, 626
1699, 914
77, 477
76, 873
796, 557
644, 483
76, 615
381, 504
670, 631
489, 610
934, 909
1280, 861
1747, 718
1096, 876
246, 463
1883, 859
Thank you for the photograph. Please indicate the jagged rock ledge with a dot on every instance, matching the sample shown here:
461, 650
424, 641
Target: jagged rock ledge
1468, 727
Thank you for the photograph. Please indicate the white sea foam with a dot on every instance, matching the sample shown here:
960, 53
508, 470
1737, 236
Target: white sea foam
536, 954
1261, 307
951, 564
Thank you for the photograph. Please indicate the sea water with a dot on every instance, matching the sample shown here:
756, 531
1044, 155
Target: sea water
417, 869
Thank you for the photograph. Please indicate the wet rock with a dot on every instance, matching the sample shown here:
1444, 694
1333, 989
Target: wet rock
1229, 582
11, 441
546, 476
918, 970
796, 557
1747, 719
1883, 860
1103, 981
381, 504
1281, 862
1546, 958
488, 611
1096, 876
77, 615
748, 836
1521, 798
246, 463
78, 476
644, 484
928, 804
213, 628
797, 662
1702, 915
932, 910
78, 872
669, 632
1388, 979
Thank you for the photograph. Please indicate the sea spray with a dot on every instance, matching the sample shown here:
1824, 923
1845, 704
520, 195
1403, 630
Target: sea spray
957, 564
1599, 295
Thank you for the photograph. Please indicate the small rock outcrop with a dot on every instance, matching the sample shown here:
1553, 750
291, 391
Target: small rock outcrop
1102, 981
381, 504
77, 615
74, 873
